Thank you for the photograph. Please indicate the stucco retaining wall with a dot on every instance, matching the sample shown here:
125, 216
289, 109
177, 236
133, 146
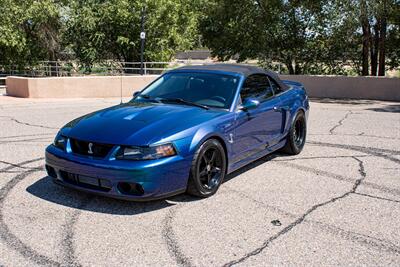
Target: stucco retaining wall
375, 88
74, 87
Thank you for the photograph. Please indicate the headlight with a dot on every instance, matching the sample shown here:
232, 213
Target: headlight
60, 141
146, 153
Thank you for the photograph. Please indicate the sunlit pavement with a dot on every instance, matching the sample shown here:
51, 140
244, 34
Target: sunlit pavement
337, 203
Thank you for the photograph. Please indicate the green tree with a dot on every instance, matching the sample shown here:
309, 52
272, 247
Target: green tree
313, 36
290, 32
98, 30
30, 31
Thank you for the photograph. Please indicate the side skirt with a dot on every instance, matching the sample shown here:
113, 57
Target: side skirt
256, 156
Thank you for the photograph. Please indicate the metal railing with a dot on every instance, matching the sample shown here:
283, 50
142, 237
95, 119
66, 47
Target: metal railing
107, 67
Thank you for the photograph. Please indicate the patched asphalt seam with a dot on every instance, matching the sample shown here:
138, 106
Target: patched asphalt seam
368, 241
358, 135
39, 139
25, 135
19, 165
365, 240
68, 249
29, 124
170, 239
14, 165
302, 218
377, 197
10, 239
372, 151
319, 157
340, 123
338, 177
67, 243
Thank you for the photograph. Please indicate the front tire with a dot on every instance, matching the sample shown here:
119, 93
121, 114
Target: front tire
296, 137
208, 169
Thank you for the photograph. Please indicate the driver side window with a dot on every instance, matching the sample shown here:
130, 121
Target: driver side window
256, 86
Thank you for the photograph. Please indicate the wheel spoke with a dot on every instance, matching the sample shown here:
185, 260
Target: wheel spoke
216, 170
212, 159
206, 160
203, 172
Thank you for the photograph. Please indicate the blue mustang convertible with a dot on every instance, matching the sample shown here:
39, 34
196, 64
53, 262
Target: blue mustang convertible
183, 133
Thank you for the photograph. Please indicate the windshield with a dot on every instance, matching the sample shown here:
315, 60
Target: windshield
206, 89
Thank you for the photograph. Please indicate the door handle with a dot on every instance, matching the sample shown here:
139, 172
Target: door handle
284, 108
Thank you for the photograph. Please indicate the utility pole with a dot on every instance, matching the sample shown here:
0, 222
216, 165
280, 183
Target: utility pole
142, 39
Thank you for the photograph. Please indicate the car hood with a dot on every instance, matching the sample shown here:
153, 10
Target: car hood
137, 123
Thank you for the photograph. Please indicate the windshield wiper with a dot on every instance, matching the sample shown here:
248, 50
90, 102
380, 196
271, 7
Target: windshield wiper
183, 101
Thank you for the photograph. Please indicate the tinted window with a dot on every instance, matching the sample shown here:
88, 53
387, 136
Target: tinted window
256, 86
214, 90
275, 87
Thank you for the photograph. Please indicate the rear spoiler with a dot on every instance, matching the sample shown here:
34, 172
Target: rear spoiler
292, 84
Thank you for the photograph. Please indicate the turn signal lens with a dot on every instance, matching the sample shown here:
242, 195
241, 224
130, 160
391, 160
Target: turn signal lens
165, 150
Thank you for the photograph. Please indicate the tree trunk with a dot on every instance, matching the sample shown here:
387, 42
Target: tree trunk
375, 49
297, 69
366, 37
382, 41
289, 65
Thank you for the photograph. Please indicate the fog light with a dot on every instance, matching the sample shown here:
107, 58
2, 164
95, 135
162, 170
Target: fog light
51, 171
133, 189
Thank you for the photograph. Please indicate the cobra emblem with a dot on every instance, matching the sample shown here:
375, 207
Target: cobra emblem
90, 151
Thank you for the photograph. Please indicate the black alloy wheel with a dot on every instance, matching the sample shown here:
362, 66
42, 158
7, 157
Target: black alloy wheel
296, 137
208, 169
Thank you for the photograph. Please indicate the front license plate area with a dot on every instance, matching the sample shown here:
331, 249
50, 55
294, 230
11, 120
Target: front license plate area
88, 180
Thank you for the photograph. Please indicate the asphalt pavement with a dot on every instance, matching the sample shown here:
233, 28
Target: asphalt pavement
337, 203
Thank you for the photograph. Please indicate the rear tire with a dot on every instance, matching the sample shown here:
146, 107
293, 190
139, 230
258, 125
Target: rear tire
208, 169
296, 137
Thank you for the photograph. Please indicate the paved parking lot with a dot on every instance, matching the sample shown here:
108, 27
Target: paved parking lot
337, 203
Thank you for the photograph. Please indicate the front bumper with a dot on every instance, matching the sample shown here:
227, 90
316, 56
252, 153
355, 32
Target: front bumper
156, 178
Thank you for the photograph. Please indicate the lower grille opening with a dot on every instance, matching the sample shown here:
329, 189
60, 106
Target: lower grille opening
132, 189
86, 181
51, 171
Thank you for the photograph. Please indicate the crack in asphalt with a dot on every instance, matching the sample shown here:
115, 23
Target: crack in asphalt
302, 217
340, 123
170, 239
28, 124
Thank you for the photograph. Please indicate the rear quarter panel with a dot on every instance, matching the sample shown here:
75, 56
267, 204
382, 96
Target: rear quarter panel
295, 99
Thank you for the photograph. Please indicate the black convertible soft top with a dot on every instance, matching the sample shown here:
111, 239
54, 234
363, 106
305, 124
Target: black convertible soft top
245, 70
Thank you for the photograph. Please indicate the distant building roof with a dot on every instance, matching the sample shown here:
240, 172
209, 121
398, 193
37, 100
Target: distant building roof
193, 54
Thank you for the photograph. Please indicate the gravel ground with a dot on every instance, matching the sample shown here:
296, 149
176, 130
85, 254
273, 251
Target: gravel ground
337, 203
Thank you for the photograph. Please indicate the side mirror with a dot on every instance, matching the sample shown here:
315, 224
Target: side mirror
249, 103
135, 94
